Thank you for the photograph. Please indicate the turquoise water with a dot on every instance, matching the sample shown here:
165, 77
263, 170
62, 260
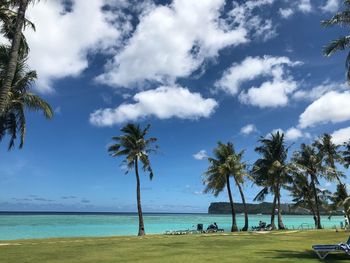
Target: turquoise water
44, 226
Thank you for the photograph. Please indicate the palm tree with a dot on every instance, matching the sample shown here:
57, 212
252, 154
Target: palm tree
8, 19
13, 121
346, 154
271, 172
16, 40
225, 164
341, 18
302, 193
136, 148
331, 155
309, 161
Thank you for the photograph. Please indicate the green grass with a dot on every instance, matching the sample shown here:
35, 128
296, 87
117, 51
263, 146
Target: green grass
286, 246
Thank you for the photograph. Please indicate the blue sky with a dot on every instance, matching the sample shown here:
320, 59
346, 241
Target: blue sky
197, 71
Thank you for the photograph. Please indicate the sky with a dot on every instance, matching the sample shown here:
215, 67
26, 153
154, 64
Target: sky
198, 71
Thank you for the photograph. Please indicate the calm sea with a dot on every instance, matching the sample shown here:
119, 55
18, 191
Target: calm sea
24, 225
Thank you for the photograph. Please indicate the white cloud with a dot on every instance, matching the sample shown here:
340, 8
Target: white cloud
292, 134
319, 90
248, 129
341, 136
286, 13
332, 107
63, 40
261, 96
331, 6
164, 102
252, 68
201, 155
305, 6
173, 41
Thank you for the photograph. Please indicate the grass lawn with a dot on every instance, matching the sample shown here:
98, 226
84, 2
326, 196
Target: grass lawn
286, 246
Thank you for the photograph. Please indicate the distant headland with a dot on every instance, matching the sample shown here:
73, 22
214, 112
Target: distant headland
261, 208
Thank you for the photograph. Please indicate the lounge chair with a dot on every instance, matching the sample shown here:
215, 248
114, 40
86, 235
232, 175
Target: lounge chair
322, 251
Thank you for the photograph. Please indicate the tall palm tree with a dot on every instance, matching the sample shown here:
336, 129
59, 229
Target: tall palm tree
225, 164
341, 18
309, 161
346, 154
271, 172
238, 170
17, 39
20, 99
332, 155
136, 148
302, 193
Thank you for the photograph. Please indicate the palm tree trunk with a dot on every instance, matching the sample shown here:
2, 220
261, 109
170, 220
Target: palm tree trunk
273, 226
138, 193
311, 207
280, 222
245, 228
234, 223
15, 49
318, 217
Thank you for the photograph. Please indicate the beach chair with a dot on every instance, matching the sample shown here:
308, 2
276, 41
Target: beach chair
323, 251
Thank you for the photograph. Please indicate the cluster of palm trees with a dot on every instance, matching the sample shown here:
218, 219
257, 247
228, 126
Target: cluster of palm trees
274, 170
16, 79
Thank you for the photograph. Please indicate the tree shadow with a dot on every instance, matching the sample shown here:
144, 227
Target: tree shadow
307, 254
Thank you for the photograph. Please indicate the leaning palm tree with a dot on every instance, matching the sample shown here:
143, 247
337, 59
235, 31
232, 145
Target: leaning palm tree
341, 18
16, 41
271, 172
136, 148
225, 164
20, 99
308, 161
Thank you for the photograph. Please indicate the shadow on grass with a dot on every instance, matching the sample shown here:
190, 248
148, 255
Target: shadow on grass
307, 254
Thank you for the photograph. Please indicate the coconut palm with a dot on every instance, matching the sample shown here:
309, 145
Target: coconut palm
136, 148
309, 162
20, 99
225, 164
332, 155
16, 40
8, 19
341, 18
346, 154
302, 192
271, 172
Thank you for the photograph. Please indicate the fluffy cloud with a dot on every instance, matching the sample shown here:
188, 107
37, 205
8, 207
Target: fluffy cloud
305, 6
285, 13
332, 107
341, 136
173, 41
201, 155
164, 102
292, 134
331, 6
64, 38
248, 129
252, 68
261, 96
319, 90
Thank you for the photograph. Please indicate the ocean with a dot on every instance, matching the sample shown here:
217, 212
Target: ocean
48, 225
